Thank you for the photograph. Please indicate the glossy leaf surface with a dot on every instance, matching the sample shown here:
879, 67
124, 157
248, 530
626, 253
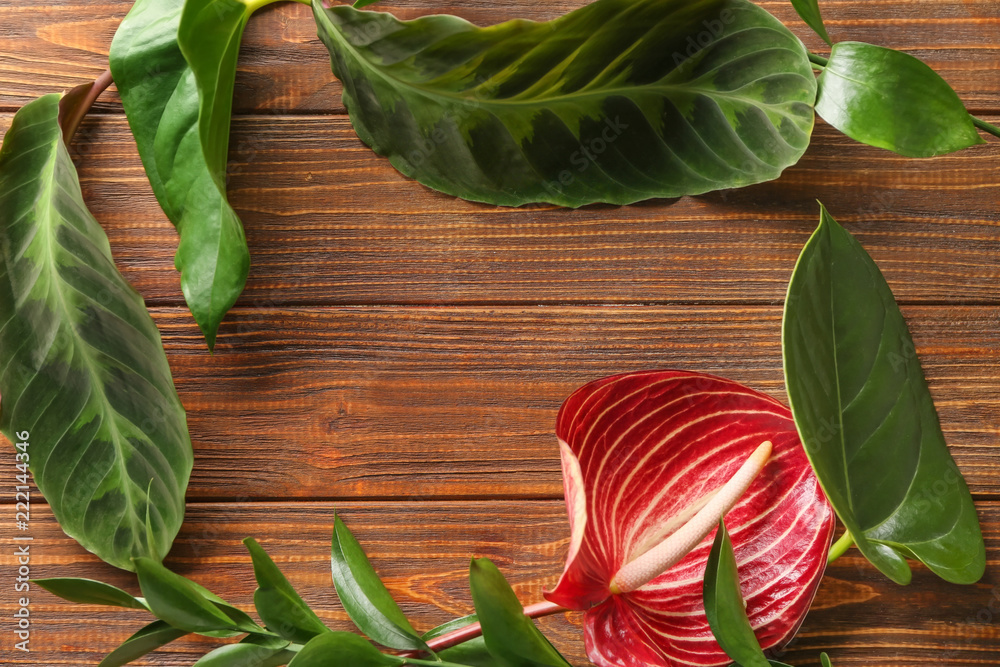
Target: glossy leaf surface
365, 598
179, 115
809, 12
510, 636
891, 100
642, 453
155, 635
724, 606
245, 655
342, 648
177, 601
88, 591
280, 607
866, 416
83, 367
619, 101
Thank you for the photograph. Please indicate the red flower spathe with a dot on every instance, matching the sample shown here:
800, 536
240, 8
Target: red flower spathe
641, 454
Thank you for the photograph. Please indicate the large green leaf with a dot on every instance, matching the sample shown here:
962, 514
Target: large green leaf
891, 100
149, 638
619, 101
83, 368
179, 114
181, 603
866, 417
342, 648
511, 637
245, 655
365, 598
280, 607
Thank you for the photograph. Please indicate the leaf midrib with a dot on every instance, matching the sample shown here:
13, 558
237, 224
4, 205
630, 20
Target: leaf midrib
46, 217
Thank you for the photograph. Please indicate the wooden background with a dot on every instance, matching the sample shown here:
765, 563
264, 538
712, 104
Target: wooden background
399, 355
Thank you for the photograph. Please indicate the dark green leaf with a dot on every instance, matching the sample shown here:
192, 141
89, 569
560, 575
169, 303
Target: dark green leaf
891, 100
84, 371
866, 417
179, 115
245, 655
472, 652
342, 648
724, 606
365, 597
511, 637
451, 625
239, 617
88, 591
619, 101
177, 601
825, 660
364, 3
280, 607
150, 638
809, 11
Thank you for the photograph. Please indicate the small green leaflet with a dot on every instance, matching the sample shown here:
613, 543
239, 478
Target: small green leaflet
85, 380
619, 101
472, 652
155, 635
181, 603
511, 637
179, 115
279, 605
245, 655
866, 418
726, 610
365, 597
808, 10
724, 605
89, 591
891, 100
349, 649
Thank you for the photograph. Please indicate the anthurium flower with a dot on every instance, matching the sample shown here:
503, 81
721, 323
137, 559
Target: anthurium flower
650, 462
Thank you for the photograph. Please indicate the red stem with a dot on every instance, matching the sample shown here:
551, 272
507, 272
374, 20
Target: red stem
77, 102
456, 637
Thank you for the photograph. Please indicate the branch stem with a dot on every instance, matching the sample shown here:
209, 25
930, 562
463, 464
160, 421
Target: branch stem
473, 630
839, 547
817, 59
986, 127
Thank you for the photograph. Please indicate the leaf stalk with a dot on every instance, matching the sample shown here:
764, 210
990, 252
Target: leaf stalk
840, 547
985, 127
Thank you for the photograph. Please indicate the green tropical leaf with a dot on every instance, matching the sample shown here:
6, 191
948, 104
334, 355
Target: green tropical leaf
88, 591
511, 637
348, 649
724, 606
619, 101
179, 115
279, 605
808, 10
84, 372
245, 655
155, 635
866, 417
365, 598
891, 100
180, 602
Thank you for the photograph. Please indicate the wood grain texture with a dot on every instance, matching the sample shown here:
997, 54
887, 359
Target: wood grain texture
460, 402
53, 45
422, 550
404, 353
330, 222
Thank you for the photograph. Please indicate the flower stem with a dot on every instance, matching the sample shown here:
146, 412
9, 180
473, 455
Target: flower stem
986, 127
845, 542
473, 630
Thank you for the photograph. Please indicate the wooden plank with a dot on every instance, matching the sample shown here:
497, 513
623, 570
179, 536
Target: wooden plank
461, 402
51, 45
330, 222
423, 549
